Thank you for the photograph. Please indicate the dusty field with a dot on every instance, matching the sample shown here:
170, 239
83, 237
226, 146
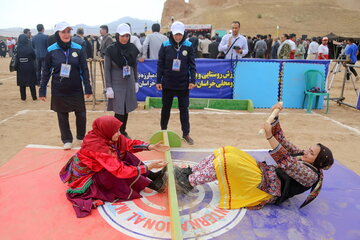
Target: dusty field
31, 122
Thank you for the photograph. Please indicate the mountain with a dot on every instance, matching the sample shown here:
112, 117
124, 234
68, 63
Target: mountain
310, 17
137, 26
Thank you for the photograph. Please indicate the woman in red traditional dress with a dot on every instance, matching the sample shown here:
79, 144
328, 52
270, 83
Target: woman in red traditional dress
105, 168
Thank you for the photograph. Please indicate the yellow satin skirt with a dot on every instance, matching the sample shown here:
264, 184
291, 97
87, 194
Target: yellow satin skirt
238, 175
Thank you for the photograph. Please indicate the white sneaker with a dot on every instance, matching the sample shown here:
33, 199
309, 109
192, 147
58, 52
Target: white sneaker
67, 146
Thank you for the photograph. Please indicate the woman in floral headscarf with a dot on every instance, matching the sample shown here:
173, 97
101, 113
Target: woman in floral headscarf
105, 168
244, 182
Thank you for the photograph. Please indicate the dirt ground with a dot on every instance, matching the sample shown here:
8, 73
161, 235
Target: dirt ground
31, 122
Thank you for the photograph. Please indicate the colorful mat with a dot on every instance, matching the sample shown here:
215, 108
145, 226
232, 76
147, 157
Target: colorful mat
34, 206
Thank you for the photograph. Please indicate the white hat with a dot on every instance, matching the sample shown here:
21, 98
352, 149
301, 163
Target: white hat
123, 29
61, 26
177, 27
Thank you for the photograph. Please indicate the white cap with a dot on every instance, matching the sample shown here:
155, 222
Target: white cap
177, 27
123, 29
61, 26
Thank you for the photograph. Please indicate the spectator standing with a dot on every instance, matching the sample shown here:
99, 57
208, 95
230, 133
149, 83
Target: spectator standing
40, 44
351, 54
120, 69
213, 48
291, 42
195, 42
269, 42
11, 43
300, 50
3, 48
134, 39
204, 46
234, 45
313, 49
275, 47
105, 40
152, 43
65, 62
323, 50
25, 71
260, 48
176, 76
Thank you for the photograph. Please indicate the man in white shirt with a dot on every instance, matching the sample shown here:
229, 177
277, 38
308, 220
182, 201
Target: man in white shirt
204, 46
323, 50
136, 41
291, 42
152, 43
313, 50
234, 45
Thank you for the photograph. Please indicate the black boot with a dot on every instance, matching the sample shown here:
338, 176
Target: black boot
159, 174
182, 179
159, 184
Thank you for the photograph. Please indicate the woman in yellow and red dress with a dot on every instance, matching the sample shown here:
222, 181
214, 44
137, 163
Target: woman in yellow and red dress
244, 182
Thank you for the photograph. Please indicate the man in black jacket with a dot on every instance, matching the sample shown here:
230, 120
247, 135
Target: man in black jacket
176, 76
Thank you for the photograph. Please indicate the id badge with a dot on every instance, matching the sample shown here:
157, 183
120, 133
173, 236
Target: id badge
176, 65
126, 71
65, 70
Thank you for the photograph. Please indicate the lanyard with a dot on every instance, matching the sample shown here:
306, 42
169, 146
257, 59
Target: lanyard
67, 53
177, 51
125, 60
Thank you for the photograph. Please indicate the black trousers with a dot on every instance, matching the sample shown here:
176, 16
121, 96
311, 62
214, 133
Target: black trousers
352, 70
23, 92
167, 100
40, 62
123, 119
63, 119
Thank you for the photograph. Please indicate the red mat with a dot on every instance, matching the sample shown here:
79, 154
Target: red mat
33, 201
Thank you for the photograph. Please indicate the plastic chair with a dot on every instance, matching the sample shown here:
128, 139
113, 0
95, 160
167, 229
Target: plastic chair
313, 79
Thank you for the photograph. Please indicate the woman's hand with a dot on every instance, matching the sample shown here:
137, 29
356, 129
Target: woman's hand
159, 147
277, 105
268, 129
157, 164
159, 86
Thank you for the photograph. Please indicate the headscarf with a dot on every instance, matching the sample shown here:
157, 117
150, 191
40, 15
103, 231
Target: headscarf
324, 160
118, 52
63, 45
99, 139
23, 40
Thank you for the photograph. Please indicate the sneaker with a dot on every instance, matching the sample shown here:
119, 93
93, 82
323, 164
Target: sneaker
188, 140
67, 146
158, 174
182, 179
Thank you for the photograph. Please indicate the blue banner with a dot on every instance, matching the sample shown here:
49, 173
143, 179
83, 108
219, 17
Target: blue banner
214, 79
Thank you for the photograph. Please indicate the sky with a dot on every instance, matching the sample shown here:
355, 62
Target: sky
27, 14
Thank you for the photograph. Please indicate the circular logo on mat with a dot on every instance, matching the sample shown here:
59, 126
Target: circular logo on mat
148, 217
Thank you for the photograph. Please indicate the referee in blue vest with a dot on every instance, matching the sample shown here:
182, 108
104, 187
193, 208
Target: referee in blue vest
176, 76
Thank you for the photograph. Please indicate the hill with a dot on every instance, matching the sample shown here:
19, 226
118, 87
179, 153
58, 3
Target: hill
137, 25
311, 17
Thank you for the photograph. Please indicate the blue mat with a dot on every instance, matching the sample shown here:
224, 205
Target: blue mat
334, 214
258, 82
294, 84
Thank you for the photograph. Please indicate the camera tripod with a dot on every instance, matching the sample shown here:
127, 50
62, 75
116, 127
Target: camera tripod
341, 98
335, 69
